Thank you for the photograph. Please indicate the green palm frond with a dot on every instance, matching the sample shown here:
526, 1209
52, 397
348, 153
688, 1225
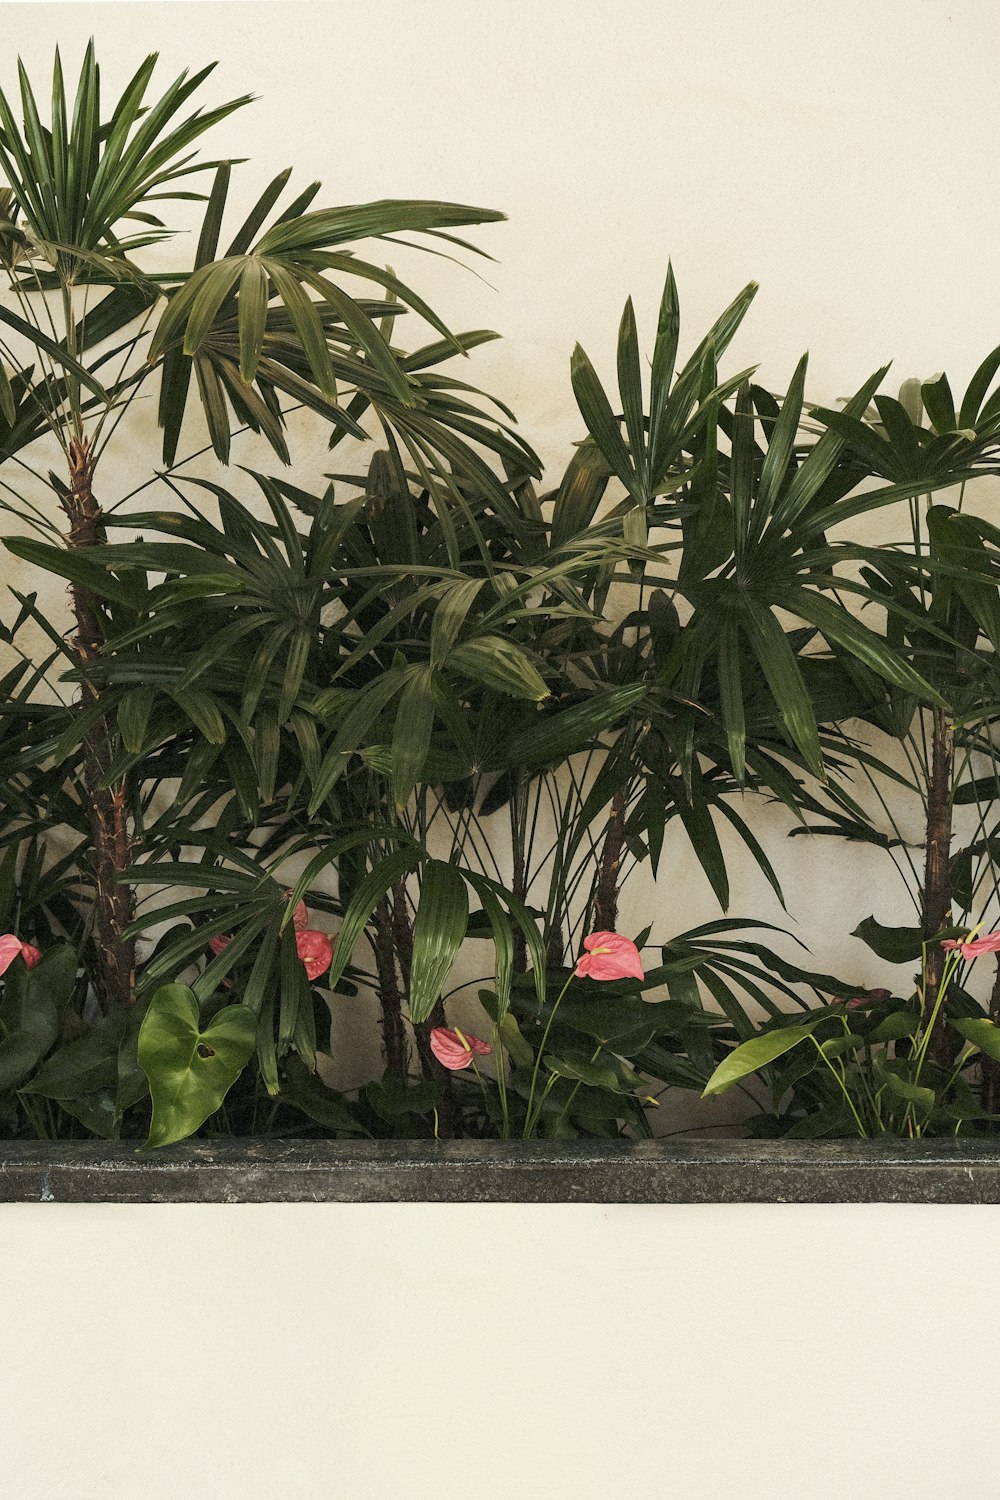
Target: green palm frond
78, 178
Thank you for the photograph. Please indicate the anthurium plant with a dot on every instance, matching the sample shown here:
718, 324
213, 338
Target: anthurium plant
865, 1065
312, 743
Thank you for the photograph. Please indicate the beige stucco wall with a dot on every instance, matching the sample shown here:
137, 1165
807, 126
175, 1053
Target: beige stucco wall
544, 1352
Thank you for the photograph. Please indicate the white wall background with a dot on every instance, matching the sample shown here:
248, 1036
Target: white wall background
843, 156
341, 1352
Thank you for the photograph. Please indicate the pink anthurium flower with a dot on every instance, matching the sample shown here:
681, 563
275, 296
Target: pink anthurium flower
975, 947
11, 947
873, 997
315, 950
219, 945
457, 1049
608, 955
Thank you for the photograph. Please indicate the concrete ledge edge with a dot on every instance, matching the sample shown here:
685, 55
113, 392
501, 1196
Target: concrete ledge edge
694, 1171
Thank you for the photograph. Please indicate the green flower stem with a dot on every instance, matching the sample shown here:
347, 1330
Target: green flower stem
949, 969
550, 1083
482, 1085
529, 1121
572, 1095
500, 1060
841, 1085
965, 1058
35, 1119
860, 1073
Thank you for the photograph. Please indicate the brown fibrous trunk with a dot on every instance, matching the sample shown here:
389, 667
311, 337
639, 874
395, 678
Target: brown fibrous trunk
609, 869
936, 912
107, 809
397, 1054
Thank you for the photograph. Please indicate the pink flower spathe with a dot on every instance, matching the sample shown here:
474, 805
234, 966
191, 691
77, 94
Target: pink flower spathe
456, 1049
976, 947
608, 955
873, 997
11, 947
314, 948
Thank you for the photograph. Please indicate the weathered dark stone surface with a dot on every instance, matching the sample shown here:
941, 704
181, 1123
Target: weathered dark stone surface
698, 1171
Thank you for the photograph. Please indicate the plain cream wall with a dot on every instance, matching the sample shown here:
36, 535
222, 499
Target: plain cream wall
342, 1352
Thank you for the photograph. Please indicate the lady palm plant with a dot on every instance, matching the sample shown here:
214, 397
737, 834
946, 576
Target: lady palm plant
343, 697
742, 600
467, 669
941, 584
87, 327
874, 1063
422, 690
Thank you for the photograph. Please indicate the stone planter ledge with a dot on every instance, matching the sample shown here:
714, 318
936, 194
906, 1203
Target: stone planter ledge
694, 1171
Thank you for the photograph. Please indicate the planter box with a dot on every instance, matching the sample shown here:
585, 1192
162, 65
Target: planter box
337, 1336
274, 1171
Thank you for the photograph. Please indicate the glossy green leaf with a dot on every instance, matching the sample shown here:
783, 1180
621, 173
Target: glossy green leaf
897, 945
601, 422
602, 1074
84, 1066
438, 933
412, 734
630, 387
554, 736
579, 494
8, 407
512, 1038
252, 304
190, 1068
783, 675
900, 1023
308, 1093
499, 664
756, 1053
914, 1094
392, 867
980, 1031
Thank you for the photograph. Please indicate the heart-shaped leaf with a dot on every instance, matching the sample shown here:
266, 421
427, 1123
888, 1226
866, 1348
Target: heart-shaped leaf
84, 1066
981, 1032
896, 945
604, 1074
913, 1093
897, 1024
190, 1070
30, 1012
